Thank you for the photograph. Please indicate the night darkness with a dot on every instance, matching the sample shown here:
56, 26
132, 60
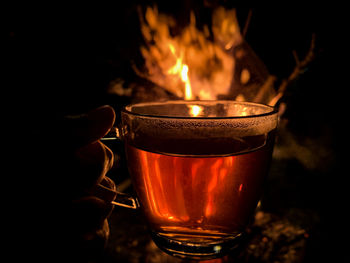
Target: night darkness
61, 60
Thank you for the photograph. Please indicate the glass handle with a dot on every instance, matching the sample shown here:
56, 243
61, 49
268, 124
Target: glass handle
126, 200
113, 135
122, 199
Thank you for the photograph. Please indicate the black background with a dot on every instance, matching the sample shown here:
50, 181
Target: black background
60, 59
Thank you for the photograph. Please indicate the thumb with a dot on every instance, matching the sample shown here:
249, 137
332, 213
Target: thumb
80, 130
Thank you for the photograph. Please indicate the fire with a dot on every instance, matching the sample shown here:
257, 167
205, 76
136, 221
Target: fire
176, 69
189, 65
203, 64
181, 70
184, 77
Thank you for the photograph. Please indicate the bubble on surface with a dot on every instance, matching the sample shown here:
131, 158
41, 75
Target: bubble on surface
219, 119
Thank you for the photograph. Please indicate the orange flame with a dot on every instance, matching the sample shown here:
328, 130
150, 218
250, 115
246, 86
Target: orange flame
189, 64
181, 70
202, 64
185, 79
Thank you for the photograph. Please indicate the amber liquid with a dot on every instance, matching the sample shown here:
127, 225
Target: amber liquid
188, 193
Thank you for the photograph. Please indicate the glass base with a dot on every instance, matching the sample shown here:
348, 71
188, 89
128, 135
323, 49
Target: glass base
199, 247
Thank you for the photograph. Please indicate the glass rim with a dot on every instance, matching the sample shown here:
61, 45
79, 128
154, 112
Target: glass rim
198, 102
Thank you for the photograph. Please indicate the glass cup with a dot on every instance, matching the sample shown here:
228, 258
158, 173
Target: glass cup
198, 169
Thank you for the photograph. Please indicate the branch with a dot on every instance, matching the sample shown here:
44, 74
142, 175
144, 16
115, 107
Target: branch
298, 70
247, 22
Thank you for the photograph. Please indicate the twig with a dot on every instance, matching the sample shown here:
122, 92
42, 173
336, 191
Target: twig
298, 69
296, 57
247, 22
265, 88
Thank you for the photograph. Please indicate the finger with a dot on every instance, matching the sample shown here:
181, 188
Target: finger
92, 163
89, 213
105, 190
109, 183
78, 130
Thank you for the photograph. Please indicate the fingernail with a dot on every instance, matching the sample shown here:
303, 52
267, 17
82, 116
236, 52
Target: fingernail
105, 112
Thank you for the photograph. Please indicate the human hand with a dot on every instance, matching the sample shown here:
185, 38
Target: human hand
85, 161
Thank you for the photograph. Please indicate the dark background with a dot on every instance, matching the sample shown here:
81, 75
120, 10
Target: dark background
60, 60
72, 53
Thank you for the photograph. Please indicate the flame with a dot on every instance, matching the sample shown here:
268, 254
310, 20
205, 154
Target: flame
189, 64
181, 70
184, 77
176, 69
199, 63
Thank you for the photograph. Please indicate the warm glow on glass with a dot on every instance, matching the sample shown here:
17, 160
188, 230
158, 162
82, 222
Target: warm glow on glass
195, 110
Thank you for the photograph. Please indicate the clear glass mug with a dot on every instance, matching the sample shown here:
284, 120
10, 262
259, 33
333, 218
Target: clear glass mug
198, 169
